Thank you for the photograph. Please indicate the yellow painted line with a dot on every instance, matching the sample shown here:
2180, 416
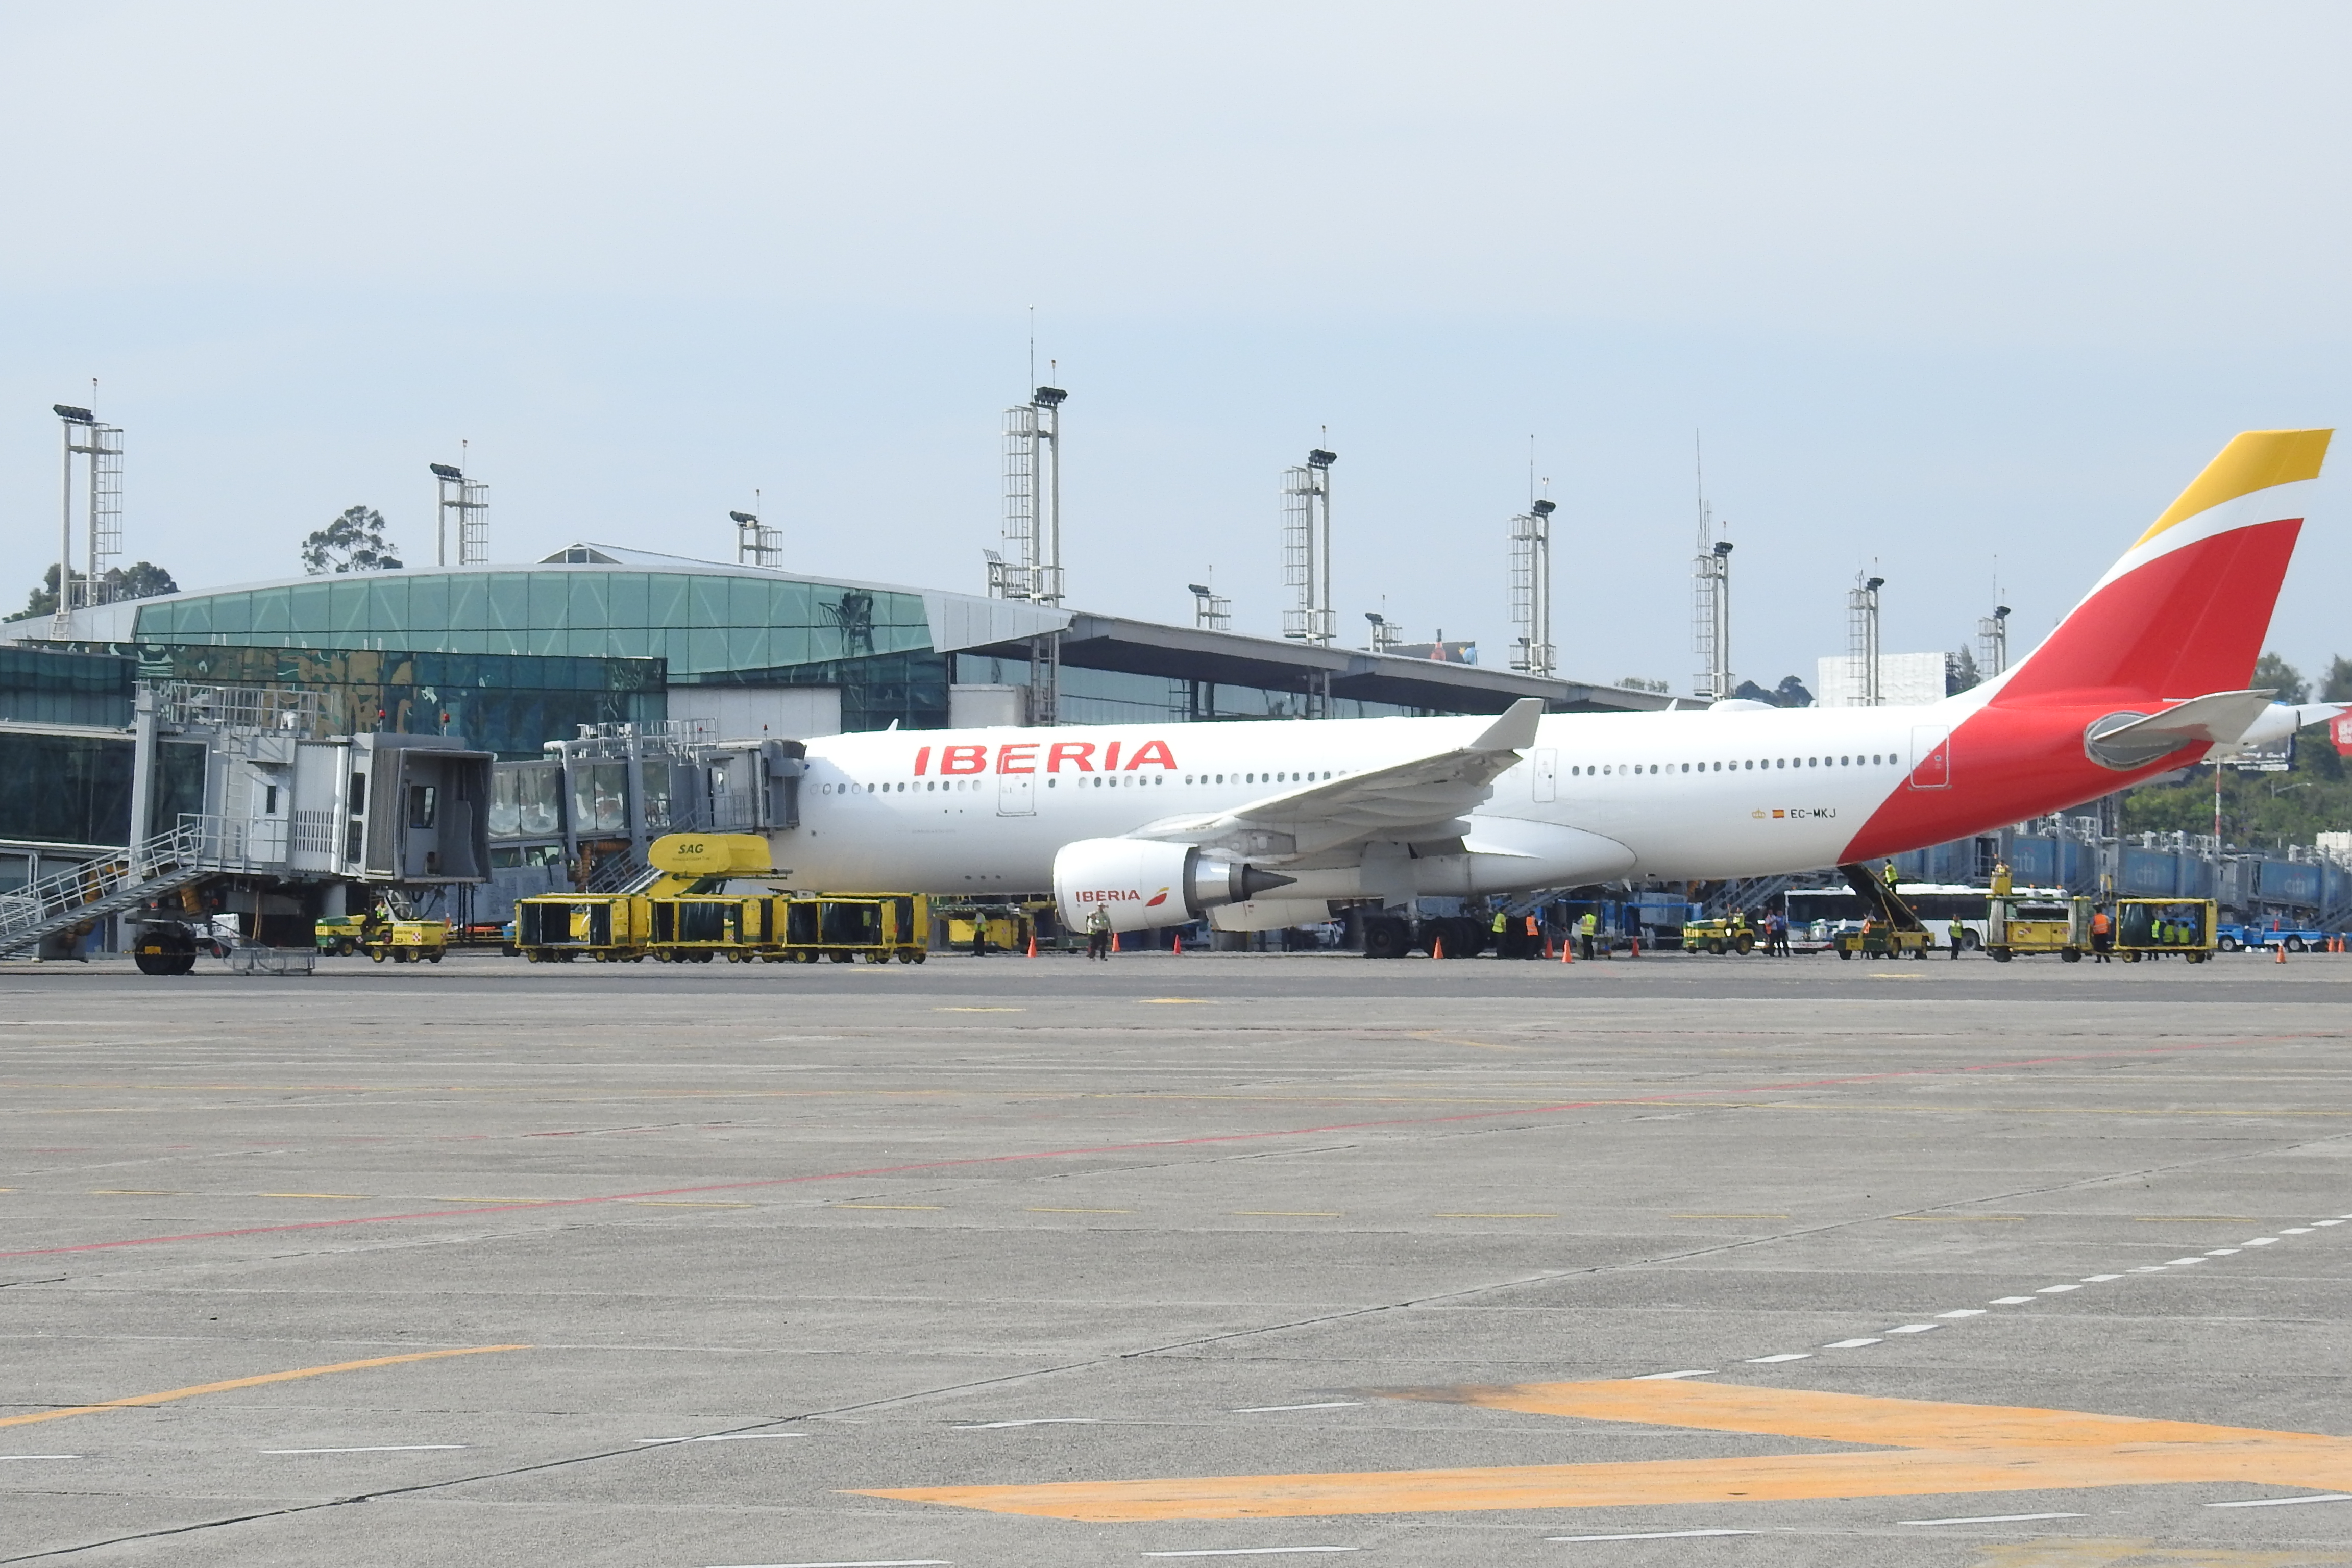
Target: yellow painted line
134, 1193
168, 1396
980, 1009
1925, 1448
1080, 1211
681, 1204
1176, 1002
1494, 1216
1952, 1218
933, 1207
1284, 1213
339, 1197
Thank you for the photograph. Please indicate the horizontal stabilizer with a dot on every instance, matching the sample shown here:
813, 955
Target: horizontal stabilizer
1515, 731
2218, 719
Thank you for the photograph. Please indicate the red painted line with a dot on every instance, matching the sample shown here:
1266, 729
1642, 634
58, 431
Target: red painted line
974, 1160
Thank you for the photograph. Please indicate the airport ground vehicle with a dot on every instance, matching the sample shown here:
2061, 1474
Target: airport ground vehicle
2230, 938
1733, 934
382, 935
1876, 939
695, 910
2160, 928
2034, 921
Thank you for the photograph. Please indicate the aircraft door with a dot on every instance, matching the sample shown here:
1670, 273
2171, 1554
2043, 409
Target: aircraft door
1931, 746
1547, 772
1016, 794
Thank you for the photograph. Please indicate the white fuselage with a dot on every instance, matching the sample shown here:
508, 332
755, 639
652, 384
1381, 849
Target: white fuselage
1687, 794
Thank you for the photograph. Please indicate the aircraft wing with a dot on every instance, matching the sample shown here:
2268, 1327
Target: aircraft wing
1420, 797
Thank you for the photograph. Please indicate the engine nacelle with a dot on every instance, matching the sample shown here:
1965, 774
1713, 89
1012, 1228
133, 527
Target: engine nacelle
1141, 884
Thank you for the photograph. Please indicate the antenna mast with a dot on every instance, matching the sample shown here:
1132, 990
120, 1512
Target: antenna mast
1710, 594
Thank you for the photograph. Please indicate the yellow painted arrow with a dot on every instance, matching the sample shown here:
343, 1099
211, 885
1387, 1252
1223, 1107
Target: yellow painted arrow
1921, 1447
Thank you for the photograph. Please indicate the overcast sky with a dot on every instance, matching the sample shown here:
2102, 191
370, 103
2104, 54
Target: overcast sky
1953, 289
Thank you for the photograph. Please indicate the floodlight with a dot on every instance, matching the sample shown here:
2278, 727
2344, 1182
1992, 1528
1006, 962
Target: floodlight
443, 471
1320, 458
77, 415
1197, 590
1543, 507
742, 517
1051, 396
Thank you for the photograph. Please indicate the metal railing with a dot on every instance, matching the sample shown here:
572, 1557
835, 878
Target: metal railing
278, 708
98, 887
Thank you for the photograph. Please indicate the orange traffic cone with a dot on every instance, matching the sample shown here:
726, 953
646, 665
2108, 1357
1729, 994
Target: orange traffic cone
1114, 941
1179, 944
1033, 941
1547, 947
1568, 950
2281, 950
1437, 947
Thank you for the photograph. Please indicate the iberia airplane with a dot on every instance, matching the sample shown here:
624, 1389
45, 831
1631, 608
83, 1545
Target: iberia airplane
1264, 826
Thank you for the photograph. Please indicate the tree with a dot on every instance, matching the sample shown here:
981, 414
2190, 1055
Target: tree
2338, 688
352, 543
1959, 671
42, 601
2277, 674
1791, 693
140, 580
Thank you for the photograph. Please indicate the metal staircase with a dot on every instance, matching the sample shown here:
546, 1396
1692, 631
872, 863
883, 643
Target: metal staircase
1747, 893
97, 889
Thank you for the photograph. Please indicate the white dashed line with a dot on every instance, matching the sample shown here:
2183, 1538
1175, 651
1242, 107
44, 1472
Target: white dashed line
1041, 1421
2284, 1501
1252, 1551
1653, 1535
2318, 1222
384, 1449
2099, 1278
1851, 1344
1914, 1328
1326, 1405
1993, 1519
1789, 1356
2264, 1241
1963, 1312
1669, 1376
2011, 1300
722, 1437
5, 1457
2223, 1252
2296, 1231
2183, 1262
2150, 1269
2056, 1290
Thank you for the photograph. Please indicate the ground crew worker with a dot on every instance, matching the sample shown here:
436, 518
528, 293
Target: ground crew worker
1890, 875
1502, 929
2103, 937
1587, 929
1098, 934
1955, 930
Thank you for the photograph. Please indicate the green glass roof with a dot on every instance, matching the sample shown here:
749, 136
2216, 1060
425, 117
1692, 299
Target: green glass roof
703, 623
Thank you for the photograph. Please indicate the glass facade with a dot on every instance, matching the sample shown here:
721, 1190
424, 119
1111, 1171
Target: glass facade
64, 789
1117, 697
499, 703
702, 623
41, 687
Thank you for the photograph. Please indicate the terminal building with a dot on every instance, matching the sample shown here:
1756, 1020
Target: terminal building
598, 646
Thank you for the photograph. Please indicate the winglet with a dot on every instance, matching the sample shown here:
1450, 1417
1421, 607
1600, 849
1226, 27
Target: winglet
1515, 731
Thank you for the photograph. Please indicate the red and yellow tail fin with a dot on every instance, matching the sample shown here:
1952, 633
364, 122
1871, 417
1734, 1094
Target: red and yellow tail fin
2186, 610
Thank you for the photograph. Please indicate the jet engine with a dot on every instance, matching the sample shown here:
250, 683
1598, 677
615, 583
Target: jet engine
1141, 883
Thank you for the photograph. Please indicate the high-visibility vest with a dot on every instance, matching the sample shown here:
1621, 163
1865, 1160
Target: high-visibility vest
1500, 919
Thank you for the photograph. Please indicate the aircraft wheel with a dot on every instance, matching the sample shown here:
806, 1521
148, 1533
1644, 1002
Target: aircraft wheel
1386, 938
